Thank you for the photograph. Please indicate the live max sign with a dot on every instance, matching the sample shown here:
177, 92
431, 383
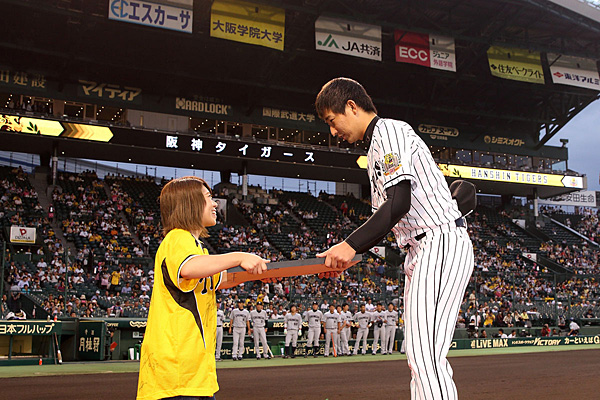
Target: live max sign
427, 50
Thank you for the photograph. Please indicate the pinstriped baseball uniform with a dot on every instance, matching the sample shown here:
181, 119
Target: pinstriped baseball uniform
346, 318
390, 326
378, 318
293, 323
332, 321
220, 318
314, 319
362, 319
440, 260
259, 320
239, 320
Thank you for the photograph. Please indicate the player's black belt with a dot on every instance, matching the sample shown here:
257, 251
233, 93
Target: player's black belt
460, 223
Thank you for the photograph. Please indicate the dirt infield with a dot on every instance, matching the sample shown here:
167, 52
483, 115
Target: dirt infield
566, 374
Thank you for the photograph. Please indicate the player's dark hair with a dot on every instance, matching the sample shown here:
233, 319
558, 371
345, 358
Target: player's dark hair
334, 96
379, 303
391, 304
344, 305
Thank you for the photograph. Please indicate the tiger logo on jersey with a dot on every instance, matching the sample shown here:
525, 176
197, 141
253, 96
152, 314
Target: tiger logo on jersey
391, 163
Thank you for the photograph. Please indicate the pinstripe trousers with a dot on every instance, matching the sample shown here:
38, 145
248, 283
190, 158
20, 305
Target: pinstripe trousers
438, 269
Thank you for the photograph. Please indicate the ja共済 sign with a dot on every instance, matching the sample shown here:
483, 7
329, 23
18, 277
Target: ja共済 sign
348, 37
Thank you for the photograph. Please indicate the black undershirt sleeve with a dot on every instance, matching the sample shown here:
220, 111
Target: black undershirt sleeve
383, 220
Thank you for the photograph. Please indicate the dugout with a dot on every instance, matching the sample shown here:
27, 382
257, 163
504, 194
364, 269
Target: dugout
29, 342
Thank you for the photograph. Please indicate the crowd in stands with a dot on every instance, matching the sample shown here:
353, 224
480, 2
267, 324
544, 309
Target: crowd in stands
114, 224
30, 106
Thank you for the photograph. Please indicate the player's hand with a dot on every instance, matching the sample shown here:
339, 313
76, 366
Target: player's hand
230, 331
253, 264
339, 256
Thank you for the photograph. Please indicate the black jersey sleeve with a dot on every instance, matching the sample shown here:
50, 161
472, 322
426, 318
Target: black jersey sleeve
383, 220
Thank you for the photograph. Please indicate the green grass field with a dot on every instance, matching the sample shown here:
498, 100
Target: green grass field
113, 367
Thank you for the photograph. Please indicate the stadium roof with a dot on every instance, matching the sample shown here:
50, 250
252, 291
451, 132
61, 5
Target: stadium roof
71, 40
75, 39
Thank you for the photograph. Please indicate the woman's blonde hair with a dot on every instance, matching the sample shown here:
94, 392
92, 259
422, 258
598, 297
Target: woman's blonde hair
182, 205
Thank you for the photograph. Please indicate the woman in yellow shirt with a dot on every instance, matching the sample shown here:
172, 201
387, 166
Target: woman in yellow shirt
178, 352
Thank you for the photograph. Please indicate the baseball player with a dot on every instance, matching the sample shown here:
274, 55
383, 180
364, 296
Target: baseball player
259, 330
331, 325
338, 333
378, 321
239, 321
293, 326
409, 196
314, 318
391, 324
220, 318
363, 319
345, 330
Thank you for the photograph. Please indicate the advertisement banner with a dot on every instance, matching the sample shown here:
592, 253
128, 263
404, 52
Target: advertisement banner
106, 91
531, 256
15, 327
176, 15
348, 37
35, 83
431, 51
548, 341
21, 234
438, 132
379, 251
516, 64
44, 127
574, 71
247, 22
509, 176
91, 340
582, 198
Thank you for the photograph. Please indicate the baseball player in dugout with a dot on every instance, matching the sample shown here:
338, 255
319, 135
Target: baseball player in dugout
220, 319
259, 330
293, 327
410, 197
379, 321
313, 318
338, 333
331, 325
344, 332
391, 324
363, 319
239, 322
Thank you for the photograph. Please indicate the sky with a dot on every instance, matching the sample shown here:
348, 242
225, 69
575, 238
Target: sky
583, 133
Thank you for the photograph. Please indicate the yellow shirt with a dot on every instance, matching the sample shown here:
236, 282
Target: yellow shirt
115, 278
178, 352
